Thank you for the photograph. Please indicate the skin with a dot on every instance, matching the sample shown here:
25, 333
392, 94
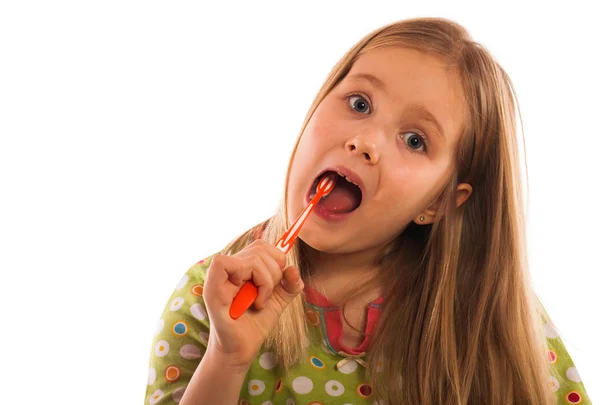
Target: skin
370, 127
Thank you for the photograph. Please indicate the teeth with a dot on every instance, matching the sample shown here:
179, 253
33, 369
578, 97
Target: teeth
347, 179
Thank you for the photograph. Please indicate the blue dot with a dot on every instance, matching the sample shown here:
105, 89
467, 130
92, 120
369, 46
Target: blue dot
317, 362
179, 328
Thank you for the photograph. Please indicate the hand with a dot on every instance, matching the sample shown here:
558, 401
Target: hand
239, 340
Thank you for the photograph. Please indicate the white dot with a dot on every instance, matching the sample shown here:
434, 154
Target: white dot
151, 375
203, 337
334, 388
162, 348
550, 330
198, 312
554, 383
302, 385
159, 326
178, 394
573, 374
156, 396
256, 387
290, 401
182, 282
190, 352
349, 367
176, 304
267, 360
267, 403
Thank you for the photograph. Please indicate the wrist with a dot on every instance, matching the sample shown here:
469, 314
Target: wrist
231, 364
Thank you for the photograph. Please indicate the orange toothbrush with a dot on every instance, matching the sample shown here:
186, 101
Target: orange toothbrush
248, 293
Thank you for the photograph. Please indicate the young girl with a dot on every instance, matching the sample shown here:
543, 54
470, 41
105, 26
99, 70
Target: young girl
408, 284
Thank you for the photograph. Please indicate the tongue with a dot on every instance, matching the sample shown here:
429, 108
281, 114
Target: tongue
342, 198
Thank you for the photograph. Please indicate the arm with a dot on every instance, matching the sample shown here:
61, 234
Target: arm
183, 368
214, 383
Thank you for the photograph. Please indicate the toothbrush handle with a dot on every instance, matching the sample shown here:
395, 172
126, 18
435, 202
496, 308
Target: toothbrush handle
248, 293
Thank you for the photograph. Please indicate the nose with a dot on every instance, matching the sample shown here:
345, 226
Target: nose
364, 148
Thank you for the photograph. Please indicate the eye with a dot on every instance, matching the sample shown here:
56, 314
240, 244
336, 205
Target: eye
359, 104
414, 142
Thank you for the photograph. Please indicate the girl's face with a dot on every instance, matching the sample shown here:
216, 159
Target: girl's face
391, 126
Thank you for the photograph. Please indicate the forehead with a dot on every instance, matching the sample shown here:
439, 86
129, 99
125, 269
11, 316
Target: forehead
410, 77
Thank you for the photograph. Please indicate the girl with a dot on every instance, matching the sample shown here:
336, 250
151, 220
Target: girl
409, 283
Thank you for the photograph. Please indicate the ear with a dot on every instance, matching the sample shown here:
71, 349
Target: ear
463, 192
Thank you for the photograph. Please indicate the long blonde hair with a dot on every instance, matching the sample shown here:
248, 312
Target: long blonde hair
460, 323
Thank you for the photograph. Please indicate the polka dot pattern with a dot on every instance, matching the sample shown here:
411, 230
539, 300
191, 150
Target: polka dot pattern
182, 282
151, 375
190, 352
554, 384
256, 387
197, 290
334, 388
302, 385
162, 348
573, 397
198, 312
348, 368
181, 338
267, 360
178, 394
180, 328
573, 374
172, 373
317, 363
155, 397
159, 326
177, 304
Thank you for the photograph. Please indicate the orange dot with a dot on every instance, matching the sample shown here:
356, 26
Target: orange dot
312, 317
197, 290
161, 348
172, 373
254, 387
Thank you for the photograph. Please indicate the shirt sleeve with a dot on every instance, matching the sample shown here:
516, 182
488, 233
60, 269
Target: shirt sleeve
565, 381
180, 339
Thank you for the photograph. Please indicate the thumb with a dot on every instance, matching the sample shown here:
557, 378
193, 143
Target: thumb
291, 284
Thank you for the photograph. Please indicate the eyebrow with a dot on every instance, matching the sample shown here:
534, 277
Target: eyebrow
420, 109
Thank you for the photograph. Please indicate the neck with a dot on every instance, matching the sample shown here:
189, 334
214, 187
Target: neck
342, 266
334, 274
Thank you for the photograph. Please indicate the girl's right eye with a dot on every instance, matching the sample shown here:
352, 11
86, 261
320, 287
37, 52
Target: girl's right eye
359, 104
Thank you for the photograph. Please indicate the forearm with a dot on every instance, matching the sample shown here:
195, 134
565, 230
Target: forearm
214, 383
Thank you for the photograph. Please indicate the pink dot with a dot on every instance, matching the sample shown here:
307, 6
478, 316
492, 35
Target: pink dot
573, 397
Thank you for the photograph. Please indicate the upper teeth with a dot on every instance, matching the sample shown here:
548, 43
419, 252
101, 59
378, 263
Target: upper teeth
347, 179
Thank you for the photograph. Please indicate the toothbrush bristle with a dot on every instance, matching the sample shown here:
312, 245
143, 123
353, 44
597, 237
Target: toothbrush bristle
327, 184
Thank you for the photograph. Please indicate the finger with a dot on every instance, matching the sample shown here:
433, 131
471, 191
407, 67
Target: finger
260, 252
273, 251
291, 285
217, 287
261, 277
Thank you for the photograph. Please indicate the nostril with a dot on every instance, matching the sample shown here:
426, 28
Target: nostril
367, 156
352, 148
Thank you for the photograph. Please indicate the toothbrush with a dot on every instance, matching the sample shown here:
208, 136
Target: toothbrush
248, 293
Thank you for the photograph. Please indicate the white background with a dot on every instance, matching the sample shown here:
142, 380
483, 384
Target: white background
139, 137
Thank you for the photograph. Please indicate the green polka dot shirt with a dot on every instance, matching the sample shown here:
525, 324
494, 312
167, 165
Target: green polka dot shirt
333, 374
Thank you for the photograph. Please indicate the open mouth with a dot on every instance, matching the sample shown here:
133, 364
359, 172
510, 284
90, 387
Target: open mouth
344, 198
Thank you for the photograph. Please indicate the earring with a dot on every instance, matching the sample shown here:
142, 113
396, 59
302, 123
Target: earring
422, 218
